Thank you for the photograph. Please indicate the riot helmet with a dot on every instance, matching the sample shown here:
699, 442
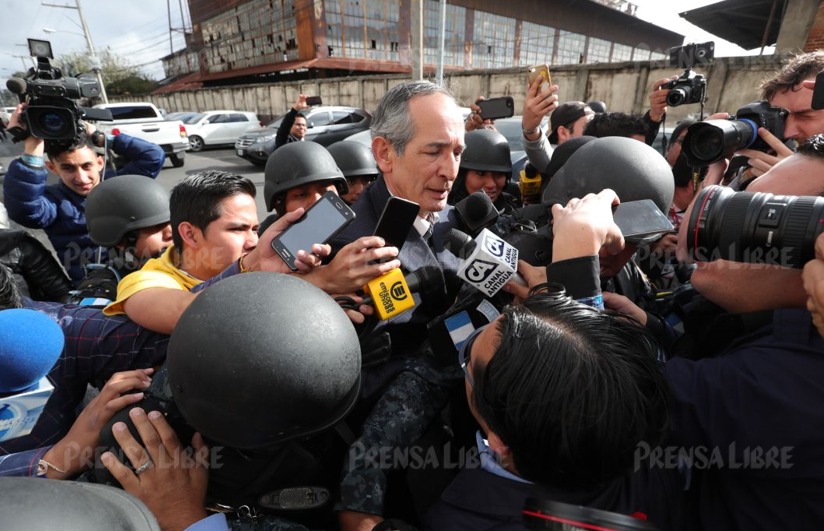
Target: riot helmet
261, 358
295, 164
486, 150
354, 159
123, 204
631, 168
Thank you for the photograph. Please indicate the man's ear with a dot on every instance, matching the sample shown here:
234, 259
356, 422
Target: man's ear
50, 166
383, 153
190, 234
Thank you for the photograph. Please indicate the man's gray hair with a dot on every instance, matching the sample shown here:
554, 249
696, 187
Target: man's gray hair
391, 118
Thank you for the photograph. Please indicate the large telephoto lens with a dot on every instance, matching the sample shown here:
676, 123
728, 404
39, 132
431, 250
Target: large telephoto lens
51, 123
713, 140
754, 227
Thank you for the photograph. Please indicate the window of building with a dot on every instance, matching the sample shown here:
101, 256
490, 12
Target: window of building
598, 50
621, 53
363, 29
537, 44
453, 34
493, 43
571, 48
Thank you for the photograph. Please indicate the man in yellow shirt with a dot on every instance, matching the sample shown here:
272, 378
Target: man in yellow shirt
214, 224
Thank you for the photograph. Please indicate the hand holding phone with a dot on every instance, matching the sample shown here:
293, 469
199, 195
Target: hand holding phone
494, 108
541, 71
328, 216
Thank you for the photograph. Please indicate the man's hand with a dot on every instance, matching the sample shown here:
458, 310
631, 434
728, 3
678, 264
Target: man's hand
174, 485
762, 162
666, 246
814, 285
475, 120
538, 104
74, 452
658, 99
31, 145
531, 274
264, 257
621, 304
352, 267
300, 103
356, 316
585, 225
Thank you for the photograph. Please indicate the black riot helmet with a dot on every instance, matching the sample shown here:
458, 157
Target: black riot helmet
260, 358
354, 159
122, 204
295, 164
487, 150
631, 168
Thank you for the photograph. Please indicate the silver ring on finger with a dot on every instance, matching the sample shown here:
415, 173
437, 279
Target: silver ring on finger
144, 467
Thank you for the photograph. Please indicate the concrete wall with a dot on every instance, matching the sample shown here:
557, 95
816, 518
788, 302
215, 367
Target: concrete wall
732, 82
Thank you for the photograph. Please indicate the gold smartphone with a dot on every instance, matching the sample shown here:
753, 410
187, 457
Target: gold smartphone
540, 71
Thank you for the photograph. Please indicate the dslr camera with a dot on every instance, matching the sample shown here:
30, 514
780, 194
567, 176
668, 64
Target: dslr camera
52, 113
689, 87
712, 140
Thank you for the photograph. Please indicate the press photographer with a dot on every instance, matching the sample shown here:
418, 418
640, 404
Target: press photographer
55, 137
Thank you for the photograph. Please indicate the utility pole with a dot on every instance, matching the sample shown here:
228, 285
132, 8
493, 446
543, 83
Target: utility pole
441, 44
416, 13
93, 59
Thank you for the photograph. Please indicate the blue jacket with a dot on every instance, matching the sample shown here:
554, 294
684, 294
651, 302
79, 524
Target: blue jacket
60, 212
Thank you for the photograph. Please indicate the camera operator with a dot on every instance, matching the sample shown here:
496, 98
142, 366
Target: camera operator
787, 90
59, 209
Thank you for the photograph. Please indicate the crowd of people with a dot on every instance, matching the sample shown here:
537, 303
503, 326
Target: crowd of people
622, 372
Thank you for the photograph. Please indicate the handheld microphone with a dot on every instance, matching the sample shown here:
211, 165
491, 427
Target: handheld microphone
475, 212
30, 345
487, 262
391, 293
16, 85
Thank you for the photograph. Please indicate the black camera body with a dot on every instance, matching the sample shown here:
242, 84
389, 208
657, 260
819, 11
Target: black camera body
52, 113
689, 88
762, 114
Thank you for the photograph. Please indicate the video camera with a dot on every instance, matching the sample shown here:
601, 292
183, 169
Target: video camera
754, 227
712, 140
52, 113
689, 87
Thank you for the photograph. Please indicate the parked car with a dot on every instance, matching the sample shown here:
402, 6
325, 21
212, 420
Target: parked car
326, 125
213, 128
179, 115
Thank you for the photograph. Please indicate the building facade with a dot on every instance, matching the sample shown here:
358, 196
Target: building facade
258, 40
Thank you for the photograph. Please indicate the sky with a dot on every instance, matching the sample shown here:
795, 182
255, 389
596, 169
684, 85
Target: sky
138, 30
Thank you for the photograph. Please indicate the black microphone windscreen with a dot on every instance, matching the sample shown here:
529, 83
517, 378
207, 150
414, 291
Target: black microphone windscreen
476, 211
16, 85
425, 279
459, 243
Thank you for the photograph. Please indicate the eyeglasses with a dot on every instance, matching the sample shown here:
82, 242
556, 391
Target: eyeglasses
465, 352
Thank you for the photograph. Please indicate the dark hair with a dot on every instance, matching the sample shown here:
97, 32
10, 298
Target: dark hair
9, 292
55, 148
572, 391
812, 147
794, 71
196, 199
616, 124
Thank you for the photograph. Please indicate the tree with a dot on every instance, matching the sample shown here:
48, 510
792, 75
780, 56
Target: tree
119, 76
